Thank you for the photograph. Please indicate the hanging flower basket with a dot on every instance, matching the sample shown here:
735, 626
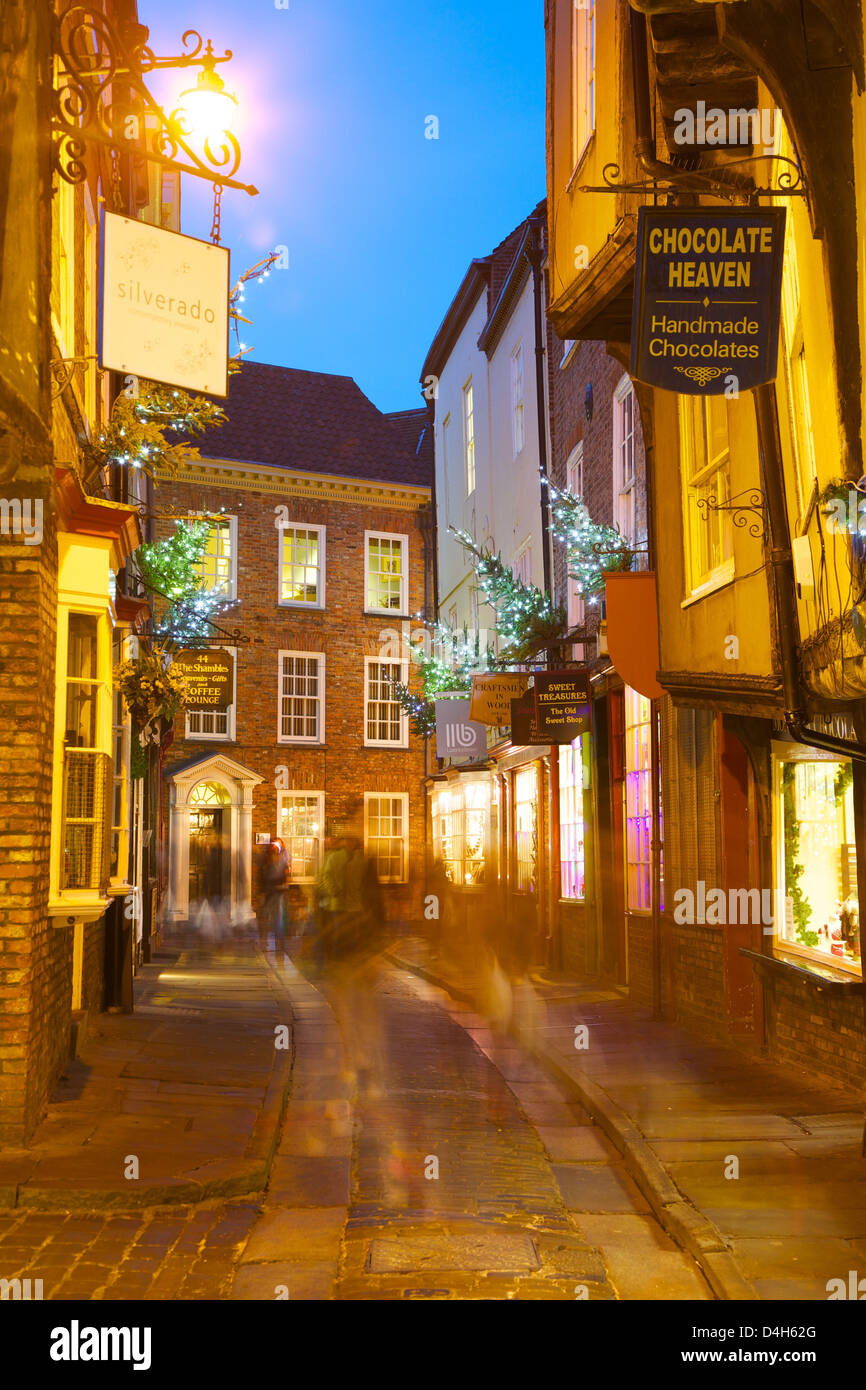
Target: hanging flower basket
154, 692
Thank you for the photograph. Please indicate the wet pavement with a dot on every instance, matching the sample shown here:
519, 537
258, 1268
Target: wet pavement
464, 1174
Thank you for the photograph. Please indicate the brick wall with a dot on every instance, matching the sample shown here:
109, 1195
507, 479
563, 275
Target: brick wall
343, 768
821, 1033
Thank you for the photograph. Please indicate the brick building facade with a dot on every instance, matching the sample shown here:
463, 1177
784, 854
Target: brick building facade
322, 546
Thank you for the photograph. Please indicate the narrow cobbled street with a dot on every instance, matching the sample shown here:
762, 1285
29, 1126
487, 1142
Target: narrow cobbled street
468, 1176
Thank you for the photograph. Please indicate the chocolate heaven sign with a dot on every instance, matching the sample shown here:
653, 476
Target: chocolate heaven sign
562, 705
210, 677
707, 295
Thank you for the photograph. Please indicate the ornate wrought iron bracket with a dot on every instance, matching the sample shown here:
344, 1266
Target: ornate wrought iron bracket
673, 181
740, 511
64, 368
102, 99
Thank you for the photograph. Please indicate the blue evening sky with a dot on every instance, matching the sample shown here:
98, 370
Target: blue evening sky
380, 223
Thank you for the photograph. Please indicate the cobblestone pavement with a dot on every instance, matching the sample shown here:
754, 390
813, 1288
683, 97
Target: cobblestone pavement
469, 1177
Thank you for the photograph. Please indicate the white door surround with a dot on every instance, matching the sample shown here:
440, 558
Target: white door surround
238, 782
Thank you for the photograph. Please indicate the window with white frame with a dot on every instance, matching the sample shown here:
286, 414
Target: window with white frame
624, 491
582, 77
213, 723
446, 447
572, 853
387, 578
301, 698
300, 826
218, 565
88, 777
705, 460
385, 724
469, 436
386, 831
574, 480
302, 565
522, 567
517, 413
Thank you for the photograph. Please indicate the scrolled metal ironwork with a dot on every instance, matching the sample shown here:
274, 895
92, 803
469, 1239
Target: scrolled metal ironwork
740, 511
102, 99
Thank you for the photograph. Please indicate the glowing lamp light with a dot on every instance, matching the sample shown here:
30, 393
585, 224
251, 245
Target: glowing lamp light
207, 109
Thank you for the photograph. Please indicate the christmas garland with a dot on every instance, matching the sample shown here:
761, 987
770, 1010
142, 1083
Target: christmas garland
526, 618
592, 549
170, 571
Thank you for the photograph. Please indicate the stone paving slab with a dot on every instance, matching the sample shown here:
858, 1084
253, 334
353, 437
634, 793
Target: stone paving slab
669, 1098
196, 1100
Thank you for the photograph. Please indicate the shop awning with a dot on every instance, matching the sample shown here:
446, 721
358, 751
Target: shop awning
633, 630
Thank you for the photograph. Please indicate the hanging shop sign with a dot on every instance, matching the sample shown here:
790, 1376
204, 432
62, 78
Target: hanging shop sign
707, 293
164, 301
524, 726
457, 736
492, 694
210, 677
562, 705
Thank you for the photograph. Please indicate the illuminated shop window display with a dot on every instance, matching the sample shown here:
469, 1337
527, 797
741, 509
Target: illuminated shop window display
817, 857
526, 830
571, 824
461, 822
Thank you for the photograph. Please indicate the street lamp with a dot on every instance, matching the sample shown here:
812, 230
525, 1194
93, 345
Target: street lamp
102, 99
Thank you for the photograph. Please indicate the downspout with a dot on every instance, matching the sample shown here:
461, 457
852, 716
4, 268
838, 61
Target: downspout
534, 254
692, 180
782, 562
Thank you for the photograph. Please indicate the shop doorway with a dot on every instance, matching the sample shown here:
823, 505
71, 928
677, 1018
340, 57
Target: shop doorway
207, 856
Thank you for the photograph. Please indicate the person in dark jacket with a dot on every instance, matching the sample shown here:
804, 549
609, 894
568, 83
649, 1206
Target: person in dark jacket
273, 875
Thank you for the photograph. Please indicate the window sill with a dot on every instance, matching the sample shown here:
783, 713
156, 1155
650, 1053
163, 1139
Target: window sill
719, 579
299, 607
300, 743
77, 906
581, 160
387, 613
817, 977
397, 747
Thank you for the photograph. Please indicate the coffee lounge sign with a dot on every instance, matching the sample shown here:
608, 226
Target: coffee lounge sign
164, 306
707, 296
210, 678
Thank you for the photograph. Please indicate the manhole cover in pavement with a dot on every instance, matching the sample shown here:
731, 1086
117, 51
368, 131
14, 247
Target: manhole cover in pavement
506, 1253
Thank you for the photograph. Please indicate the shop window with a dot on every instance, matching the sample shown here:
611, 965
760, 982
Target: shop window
120, 757
460, 831
817, 857
386, 828
638, 801
571, 825
526, 830
300, 821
